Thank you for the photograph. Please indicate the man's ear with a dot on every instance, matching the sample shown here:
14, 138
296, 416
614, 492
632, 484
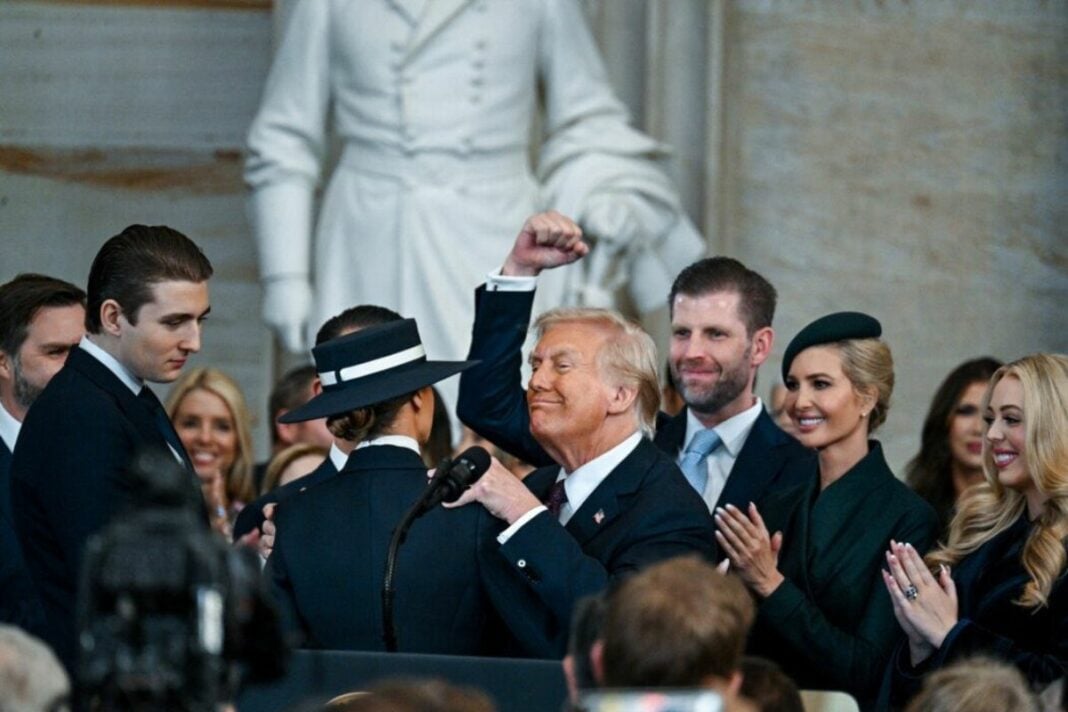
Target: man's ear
7, 369
111, 317
316, 386
622, 399
597, 661
734, 683
763, 340
287, 432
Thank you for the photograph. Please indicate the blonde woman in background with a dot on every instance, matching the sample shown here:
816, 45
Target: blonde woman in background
213, 422
998, 587
291, 464
822, 615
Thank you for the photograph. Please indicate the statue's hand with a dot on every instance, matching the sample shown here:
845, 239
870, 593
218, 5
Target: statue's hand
286, 307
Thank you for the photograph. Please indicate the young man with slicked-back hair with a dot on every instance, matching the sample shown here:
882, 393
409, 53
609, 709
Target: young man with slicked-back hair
41, 320
147, 297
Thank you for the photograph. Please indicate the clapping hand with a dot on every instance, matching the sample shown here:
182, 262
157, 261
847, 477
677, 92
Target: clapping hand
753, 553
925, 607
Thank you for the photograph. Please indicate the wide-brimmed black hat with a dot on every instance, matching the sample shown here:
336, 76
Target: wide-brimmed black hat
370, 366
829, 329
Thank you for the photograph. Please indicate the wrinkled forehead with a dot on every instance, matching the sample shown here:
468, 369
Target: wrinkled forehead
583, 339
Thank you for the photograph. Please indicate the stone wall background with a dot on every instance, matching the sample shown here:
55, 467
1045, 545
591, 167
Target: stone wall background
907, 159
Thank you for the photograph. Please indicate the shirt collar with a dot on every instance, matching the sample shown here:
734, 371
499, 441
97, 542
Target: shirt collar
9, 428
585, 479
395, 440
131, 381
337, 457
733, 431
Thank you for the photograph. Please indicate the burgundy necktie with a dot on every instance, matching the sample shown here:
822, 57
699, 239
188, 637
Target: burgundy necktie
557, 497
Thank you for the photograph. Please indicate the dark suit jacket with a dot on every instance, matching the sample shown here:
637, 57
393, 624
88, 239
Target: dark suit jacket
988, 580
643, 512
492, 403
251, 515
830, 624
329, 557
18, 598
69, 478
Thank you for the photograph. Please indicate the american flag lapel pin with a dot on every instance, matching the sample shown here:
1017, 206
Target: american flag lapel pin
598, 517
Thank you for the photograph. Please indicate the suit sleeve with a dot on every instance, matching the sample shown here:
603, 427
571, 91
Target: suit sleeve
50, 496
852, 660
491, 400
968, 638
281, 590
553, 565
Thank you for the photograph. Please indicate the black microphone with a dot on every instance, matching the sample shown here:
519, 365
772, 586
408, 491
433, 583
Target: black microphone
454, 477
450, 481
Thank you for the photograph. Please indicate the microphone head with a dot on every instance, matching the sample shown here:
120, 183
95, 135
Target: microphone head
465, 470
475, 460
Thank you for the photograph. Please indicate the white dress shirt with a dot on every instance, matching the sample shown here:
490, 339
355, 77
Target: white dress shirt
337, 457
733, 432
124, 374
395, 440
580, 484
9, 428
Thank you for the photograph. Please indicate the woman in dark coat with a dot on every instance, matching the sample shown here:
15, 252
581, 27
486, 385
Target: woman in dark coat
329, 559
998, 587
821, 615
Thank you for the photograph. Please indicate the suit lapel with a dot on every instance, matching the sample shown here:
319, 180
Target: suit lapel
756, 464
791, 515
603, 505
670, 432
136, 411
541, 480
437, 14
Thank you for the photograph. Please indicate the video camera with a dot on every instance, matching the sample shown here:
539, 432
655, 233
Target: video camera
169, 615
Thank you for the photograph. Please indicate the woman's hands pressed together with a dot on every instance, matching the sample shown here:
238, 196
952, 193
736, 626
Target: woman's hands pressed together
753, 552
925, 607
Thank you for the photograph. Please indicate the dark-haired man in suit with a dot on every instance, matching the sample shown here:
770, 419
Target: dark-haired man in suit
147, 296
611, 502
41, 320
728, 447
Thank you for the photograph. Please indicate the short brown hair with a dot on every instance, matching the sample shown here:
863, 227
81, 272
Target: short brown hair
129, 264
757, 298
675, 624
23, 297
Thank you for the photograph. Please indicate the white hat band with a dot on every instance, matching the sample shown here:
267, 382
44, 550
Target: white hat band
351, 373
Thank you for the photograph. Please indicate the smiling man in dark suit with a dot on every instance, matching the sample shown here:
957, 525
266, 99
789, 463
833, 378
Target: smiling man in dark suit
41, 320
612, 502
730, 449
147, 298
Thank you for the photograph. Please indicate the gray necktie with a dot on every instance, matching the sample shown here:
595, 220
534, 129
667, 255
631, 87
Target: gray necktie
694, 462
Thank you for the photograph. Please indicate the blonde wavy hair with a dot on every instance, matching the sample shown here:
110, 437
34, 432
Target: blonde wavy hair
239, 484
628, 357
989, 508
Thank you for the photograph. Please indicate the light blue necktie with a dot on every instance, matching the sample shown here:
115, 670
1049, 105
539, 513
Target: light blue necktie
694, 462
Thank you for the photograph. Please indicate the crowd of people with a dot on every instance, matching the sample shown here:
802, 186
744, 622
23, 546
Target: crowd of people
703, 550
